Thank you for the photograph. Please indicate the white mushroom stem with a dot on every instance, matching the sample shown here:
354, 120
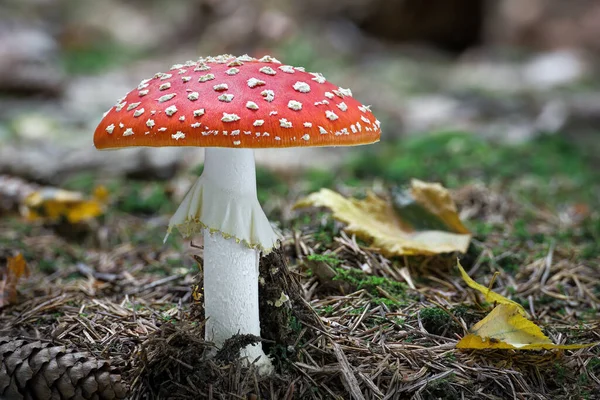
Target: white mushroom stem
231, 267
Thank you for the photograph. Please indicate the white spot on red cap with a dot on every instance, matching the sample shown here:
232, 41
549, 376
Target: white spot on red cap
294, 105
284, 123
301, 87
365, 120
230, 117
273, 113
164, 77
331, 115
226, 97
288, 69
143, 84
232, 71
353, 128
142, 93
199, 112
259, 122
110, 128
253, 82
318, 77
306, 137
268, 94
365, 109
139, 112
121, 125
186, 78
251, 105
201, 67
132, 106
220, 87
269, 59
182, 118
170, 110
322, 130
150, 123
120, 106
329, 95
267, 70
342, 106
322, 102
163, 129
193, 96
237, 142
207, 77
308, 124
178, 135
166, 97
128, 132
165, 86
345, 92
235, 63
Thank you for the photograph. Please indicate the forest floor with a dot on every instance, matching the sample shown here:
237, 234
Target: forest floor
110, 286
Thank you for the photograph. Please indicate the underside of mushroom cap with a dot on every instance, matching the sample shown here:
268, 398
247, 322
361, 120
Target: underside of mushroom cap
237, 102
207, 206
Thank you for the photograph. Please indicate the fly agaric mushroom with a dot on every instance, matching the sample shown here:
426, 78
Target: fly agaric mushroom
231, 106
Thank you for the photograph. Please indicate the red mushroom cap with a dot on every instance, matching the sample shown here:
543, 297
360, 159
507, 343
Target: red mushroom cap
238, 102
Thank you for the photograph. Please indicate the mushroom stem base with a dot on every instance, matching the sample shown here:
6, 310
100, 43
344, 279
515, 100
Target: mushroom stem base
231, 294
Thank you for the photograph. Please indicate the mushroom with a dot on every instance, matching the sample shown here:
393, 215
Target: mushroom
231, 106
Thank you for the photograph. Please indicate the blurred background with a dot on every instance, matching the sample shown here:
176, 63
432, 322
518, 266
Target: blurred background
505, 72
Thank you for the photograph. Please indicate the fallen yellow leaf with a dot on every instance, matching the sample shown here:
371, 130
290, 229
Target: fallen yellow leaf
505, 327
436, 200
489, 295
52, 204
376, 220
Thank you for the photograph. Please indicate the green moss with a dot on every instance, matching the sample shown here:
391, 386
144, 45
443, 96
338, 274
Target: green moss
84, 182
269, 184
435, 320
328, 258
317, 179
143, 198
360, 280
97, 56
455, 158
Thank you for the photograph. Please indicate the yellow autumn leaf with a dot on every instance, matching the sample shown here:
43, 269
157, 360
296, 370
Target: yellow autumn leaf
376, 220
436, 199
52, 204
490, 296
505, 327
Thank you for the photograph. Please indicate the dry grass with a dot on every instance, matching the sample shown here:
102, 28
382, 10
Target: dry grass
368, 339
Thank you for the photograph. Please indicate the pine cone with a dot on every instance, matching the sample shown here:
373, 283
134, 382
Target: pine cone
40, 371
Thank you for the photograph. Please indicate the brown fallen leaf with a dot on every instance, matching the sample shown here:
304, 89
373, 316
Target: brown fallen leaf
15, 269
505, 327
396, 231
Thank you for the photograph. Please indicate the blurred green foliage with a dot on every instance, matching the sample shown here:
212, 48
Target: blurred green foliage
458, 158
